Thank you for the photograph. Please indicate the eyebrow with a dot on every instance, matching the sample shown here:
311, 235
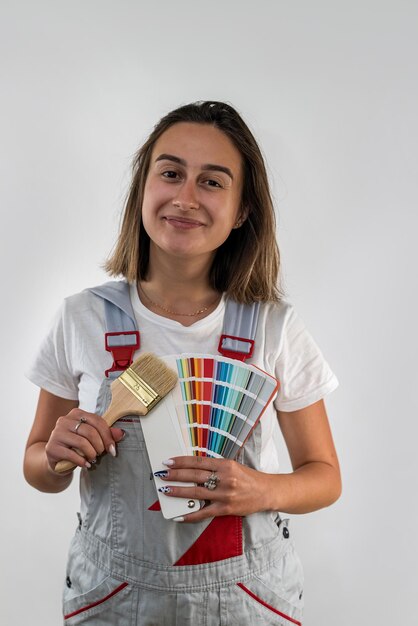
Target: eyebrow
207, 166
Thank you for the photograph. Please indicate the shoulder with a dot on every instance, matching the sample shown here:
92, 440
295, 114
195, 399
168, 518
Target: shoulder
283, 331
85, 307
81, 301
277, 310
79, 325
273, 328
277, 317
93, 296
292, 353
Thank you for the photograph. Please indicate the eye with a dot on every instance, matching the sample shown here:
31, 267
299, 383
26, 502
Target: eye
171, 174
211, 182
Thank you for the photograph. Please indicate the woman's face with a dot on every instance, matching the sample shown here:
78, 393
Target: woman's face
192, 195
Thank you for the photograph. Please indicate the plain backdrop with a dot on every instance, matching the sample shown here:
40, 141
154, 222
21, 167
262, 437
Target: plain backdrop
330, 91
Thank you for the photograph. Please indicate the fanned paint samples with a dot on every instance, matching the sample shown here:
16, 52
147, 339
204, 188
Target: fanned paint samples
218, 402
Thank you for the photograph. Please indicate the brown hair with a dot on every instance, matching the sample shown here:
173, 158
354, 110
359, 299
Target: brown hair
246, 265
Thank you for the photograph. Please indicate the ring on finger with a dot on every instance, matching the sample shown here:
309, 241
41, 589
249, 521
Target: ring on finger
82, 420
212, 482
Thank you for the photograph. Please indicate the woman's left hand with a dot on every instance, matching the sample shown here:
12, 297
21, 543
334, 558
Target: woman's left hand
239, 490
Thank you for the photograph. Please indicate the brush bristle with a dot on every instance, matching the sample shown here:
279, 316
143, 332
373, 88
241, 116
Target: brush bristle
155, 373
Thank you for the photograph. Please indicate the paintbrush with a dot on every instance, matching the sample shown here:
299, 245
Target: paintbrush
135, 392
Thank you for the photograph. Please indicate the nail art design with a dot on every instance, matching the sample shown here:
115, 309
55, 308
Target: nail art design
161, 474
112, 449
165, 489
168, 462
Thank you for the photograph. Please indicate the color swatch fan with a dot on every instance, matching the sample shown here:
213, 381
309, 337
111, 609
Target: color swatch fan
218, 402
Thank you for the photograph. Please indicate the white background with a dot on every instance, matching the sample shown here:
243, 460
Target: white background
330, 91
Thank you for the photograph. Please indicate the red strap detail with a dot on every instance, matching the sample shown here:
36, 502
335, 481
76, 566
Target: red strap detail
155, 507
268, 606
93, 604
232, 354
122, 355
222, 539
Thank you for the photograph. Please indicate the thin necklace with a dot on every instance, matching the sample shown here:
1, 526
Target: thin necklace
171, 312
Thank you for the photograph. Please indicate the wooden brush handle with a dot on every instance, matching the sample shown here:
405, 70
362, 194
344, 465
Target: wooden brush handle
123, 403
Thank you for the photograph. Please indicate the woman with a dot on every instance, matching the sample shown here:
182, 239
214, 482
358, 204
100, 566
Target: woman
198, 228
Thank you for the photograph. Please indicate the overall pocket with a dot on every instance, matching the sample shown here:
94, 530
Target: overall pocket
108, 603
92, 596
266, 607
273, 596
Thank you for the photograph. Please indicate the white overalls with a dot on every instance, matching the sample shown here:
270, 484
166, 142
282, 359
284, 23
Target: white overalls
130, 566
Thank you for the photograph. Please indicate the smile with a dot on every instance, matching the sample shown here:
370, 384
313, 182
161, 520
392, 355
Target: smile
182, 222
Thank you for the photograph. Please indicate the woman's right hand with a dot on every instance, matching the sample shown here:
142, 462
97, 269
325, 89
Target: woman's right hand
53, 438
80, 437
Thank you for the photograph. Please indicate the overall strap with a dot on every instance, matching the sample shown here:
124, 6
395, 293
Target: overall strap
122, 336
239, 330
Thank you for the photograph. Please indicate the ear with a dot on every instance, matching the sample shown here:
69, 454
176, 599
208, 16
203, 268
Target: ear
242, 216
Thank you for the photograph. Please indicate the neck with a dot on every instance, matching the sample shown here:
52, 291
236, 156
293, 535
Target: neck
179, 276
178, 288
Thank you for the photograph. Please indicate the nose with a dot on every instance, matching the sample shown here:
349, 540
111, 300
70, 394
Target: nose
186, 198
185, 206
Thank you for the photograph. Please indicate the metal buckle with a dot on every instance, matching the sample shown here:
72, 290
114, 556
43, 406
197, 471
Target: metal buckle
122, 355
235, 354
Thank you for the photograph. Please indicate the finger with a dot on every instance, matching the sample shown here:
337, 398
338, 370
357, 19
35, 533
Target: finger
117, 433
77, 439
65, 466
197, 476
194, 462
61, 458
194, 493
89, 441
210, 511
99, 424
65, 440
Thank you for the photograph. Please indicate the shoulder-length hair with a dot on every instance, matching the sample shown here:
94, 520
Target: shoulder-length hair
246, 265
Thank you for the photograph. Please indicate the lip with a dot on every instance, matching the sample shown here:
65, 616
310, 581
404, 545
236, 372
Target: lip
182, 222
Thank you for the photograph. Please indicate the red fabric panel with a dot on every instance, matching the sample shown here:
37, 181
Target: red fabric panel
222, 539
155, 507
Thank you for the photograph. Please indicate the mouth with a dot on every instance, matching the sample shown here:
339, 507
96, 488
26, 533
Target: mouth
182, 222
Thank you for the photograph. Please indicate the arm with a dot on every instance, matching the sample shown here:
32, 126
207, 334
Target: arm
314, 483
36, 467
53, 438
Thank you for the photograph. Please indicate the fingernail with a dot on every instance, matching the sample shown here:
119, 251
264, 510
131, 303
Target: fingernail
123, 435
161, 474
168, 462
112, 449
87, 464
178, 519
165, 489
93, 461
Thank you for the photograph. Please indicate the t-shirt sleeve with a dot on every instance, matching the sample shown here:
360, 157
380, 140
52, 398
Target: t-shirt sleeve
305, 376
51, 369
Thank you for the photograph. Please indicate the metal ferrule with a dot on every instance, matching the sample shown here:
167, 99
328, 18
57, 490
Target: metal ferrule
139, 388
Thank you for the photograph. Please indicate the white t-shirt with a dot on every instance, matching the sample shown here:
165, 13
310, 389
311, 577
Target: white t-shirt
72, 359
